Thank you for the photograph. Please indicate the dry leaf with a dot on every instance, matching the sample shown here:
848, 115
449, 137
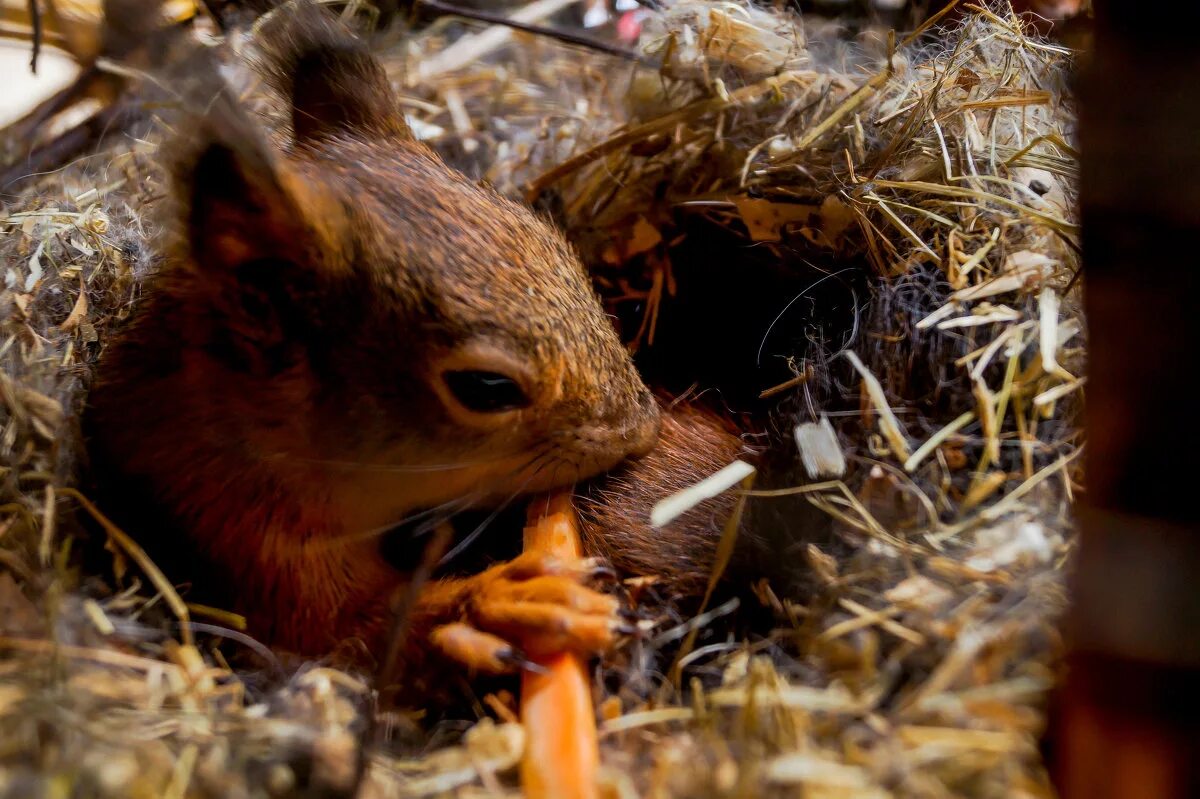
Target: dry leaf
1017, 541
1024, 269
22, 302
919, 593
765, 220
35, 266
642, 238
824, 566
78, 312
967, 79
820, 450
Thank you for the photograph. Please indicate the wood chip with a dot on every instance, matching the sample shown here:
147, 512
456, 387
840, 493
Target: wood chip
820, 451
667, 510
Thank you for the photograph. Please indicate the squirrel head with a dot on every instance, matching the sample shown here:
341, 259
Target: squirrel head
366, 305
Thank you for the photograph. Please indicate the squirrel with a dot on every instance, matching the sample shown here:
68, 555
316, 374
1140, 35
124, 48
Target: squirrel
344, 333
346, 336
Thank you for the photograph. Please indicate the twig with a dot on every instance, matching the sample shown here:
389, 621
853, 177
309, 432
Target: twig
401, 623
721, 560
518, 24
135, 552
70, 143
25, 127
470, 49
35, 21
888, 422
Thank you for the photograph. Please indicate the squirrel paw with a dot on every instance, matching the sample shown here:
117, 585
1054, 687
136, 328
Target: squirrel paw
530, 607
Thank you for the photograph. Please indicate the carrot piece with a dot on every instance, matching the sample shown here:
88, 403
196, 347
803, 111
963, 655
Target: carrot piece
562, 754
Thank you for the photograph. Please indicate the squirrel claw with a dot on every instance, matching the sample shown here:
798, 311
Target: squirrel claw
479, 651
598, 569
625, 628
632, 615
519, 661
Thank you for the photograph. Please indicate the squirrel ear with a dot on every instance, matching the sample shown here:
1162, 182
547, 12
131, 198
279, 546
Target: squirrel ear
238, 200
333, 82
240, 210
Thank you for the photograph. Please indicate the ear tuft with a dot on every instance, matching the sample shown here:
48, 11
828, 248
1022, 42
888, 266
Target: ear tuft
333, 82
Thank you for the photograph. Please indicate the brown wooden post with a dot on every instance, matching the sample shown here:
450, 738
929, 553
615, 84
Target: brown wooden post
1128, 716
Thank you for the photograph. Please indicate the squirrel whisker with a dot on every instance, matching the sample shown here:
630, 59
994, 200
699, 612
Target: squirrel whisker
470, 537
431, 515
434, 516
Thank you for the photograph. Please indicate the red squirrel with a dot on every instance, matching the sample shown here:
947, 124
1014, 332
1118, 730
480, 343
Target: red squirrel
345, 332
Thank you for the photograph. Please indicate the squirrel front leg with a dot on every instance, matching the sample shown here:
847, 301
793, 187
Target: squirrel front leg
491, 622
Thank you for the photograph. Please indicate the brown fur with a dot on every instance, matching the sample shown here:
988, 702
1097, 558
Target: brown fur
278, 395
615, 508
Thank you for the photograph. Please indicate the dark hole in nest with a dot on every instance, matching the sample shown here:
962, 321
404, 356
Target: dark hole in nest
748, 317
745, 317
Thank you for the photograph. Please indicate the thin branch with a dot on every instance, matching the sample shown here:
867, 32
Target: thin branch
35, 20
567, 37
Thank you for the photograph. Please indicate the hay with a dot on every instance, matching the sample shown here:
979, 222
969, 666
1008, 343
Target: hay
920, 662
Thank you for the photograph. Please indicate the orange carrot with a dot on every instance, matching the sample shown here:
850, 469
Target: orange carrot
561, 750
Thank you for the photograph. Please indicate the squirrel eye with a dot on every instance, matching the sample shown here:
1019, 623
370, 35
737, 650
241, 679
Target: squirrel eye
485, 392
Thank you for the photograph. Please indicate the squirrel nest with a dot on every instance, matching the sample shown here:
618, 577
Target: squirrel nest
939, 170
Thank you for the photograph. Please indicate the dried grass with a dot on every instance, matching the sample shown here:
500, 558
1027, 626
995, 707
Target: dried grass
920, 663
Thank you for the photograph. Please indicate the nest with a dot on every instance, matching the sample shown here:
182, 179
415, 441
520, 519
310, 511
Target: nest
939, 170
